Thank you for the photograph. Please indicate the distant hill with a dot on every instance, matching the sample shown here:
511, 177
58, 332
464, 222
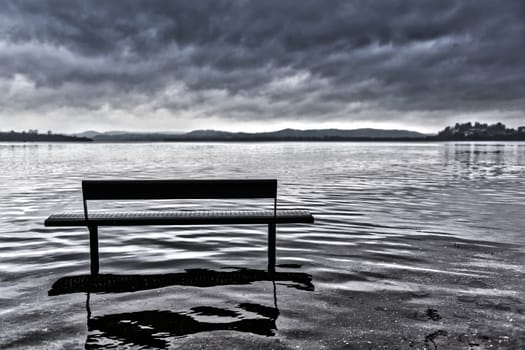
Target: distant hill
281, 135
123, 136
89, 134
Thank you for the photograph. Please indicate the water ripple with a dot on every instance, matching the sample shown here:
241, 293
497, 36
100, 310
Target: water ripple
389, 217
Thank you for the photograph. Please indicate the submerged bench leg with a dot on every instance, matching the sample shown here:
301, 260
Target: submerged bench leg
93, 248
271, 247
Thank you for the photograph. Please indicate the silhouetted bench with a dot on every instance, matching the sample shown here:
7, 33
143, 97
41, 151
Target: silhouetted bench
178, 189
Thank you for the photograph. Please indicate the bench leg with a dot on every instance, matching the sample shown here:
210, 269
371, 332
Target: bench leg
93, 248
271, 248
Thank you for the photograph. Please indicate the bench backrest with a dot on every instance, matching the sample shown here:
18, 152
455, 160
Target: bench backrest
178, 189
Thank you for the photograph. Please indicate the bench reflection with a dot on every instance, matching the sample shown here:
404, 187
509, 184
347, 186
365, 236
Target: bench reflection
154, 328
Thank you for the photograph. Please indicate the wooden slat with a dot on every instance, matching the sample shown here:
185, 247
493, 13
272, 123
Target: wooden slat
178, 189
201, 217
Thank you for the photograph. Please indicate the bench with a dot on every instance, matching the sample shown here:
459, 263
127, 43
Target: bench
177, 189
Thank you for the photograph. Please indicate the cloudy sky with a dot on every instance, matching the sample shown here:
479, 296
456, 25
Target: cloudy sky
260, 65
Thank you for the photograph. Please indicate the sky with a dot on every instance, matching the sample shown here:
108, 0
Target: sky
70, 66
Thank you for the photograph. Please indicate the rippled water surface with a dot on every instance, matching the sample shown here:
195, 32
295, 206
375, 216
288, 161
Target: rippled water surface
415, 245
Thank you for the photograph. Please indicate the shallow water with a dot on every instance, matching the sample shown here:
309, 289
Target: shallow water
415, 245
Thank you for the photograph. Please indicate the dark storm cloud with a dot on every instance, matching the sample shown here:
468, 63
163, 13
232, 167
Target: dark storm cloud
315, 60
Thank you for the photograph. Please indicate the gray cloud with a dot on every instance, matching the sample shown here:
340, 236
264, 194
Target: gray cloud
178, 63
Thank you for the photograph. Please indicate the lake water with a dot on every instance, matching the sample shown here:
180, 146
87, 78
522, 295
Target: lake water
415, 245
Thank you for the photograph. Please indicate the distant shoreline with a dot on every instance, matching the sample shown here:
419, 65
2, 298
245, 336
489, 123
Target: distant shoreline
36, 137
467, 132
360, 140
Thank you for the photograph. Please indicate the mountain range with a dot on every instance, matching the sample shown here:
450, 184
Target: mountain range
280, 135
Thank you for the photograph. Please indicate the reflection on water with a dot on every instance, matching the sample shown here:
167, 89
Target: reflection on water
153, 328
400, 229
481, 159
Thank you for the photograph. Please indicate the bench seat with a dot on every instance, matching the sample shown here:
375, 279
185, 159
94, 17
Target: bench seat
182, 217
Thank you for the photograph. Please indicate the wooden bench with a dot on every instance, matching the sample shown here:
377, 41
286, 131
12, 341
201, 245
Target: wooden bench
178, 189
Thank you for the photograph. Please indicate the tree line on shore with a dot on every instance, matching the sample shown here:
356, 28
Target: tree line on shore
33, 135
480, 131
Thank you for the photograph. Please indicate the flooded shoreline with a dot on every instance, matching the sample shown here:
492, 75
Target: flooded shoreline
415, 246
